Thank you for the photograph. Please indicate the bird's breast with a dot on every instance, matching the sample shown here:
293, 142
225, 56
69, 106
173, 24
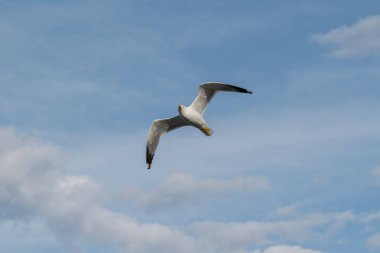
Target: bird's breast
184, 116
191, 117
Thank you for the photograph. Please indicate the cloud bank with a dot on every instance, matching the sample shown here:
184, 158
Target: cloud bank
31, 181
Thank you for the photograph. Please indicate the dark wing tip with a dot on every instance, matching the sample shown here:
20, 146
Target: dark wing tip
149, 157
239, 89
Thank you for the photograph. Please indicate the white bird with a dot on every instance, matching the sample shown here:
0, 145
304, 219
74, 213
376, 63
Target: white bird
188, 116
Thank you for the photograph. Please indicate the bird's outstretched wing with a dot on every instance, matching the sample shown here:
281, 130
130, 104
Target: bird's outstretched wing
158, 128
208, 90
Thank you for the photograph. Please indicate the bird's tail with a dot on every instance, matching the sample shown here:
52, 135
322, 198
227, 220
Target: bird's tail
207, 131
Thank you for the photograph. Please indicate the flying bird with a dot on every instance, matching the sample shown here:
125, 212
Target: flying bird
188, 116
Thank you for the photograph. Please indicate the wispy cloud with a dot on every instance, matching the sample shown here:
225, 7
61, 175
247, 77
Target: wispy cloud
360, 39
370, 217
286, 249
182, 190
284, 211
376, 173
373, 242
235, 235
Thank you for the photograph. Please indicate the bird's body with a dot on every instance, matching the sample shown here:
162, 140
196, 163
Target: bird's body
193, 118
188, 116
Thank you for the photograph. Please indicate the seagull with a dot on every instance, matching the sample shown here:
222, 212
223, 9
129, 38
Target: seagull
188, 116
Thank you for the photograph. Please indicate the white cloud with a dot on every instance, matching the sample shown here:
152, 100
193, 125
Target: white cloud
182, 189
373, 242
286, 249
360, 39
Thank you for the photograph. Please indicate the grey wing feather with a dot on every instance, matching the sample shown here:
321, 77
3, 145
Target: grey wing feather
158, 128
208, 90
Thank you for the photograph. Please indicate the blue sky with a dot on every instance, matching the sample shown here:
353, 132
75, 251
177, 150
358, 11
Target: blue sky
293, 168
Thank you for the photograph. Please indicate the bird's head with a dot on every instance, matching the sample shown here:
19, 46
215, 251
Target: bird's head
180, 108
